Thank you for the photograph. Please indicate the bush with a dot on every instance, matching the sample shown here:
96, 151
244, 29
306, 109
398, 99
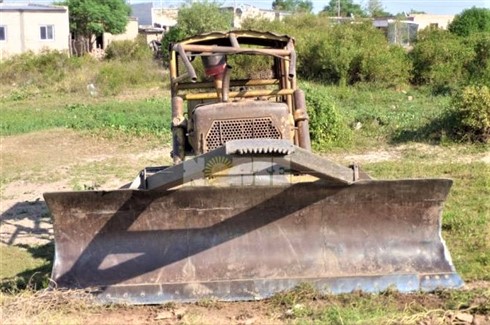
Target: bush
196, 18
474, 20
479, 67
327, 127
114, 76
42, 69
341, 54
251, 66
174, 35
390, 66
439, 60
31, 75
129, 50
472, 107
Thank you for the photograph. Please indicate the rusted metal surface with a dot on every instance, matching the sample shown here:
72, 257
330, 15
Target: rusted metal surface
188, 65
238, 118
249, 37
178, 129
233, 83
215, 124
244, 93
233, 50
302, 120
250, 242
245, 158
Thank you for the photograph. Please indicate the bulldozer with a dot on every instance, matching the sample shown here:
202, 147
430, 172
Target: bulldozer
247, 210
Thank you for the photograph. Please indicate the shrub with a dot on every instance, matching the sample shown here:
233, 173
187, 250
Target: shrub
327, 127
472, 107
129, 50
390, 66
203, 16
251, 66
439, 59
479, 67
341, 54
196, 18
42, 69
473, 20
174, 35
114, 76
355, 53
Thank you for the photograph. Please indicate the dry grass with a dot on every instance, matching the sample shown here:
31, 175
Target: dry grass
47, 307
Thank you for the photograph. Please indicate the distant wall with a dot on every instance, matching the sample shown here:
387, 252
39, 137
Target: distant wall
435, 21
143, 12
130, 34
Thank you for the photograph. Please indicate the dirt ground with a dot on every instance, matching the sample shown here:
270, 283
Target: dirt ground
60, 160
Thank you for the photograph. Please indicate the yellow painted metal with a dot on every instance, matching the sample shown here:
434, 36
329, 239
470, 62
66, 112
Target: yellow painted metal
233, 94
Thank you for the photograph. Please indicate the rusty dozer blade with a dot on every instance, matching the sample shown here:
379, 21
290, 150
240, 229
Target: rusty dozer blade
250, 242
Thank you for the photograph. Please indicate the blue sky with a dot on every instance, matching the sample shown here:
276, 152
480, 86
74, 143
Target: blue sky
441, 7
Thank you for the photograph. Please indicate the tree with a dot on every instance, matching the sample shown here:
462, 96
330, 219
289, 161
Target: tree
94, 17
347, 8
293, 5
203, 16
375, 9
196, 18
471, 21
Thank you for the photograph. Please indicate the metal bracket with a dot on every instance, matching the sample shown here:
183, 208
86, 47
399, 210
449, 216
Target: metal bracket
355, 169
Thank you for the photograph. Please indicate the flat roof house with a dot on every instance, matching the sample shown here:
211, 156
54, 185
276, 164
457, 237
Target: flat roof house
33, 28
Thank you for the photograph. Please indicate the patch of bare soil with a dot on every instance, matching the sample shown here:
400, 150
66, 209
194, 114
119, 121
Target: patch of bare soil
39, 162
239, 313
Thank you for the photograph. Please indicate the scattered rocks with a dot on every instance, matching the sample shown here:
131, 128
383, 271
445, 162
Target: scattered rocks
166, 314
467, 318
481, 320
176, 313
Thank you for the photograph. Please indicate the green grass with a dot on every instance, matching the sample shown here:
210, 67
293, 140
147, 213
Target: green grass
136, 117
305, 305
466, 217
25, 267
98, 172
388, 115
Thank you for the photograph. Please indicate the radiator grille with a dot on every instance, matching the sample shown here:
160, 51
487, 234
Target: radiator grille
223, 131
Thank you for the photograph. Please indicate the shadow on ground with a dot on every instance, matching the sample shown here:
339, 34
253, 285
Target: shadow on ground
435, 131
36, 278
27, 225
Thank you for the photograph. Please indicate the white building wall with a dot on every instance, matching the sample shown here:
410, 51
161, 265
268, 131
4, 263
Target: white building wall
130, 33
437, 21
23, 31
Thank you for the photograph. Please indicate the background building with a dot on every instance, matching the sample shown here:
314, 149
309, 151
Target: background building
33, 28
